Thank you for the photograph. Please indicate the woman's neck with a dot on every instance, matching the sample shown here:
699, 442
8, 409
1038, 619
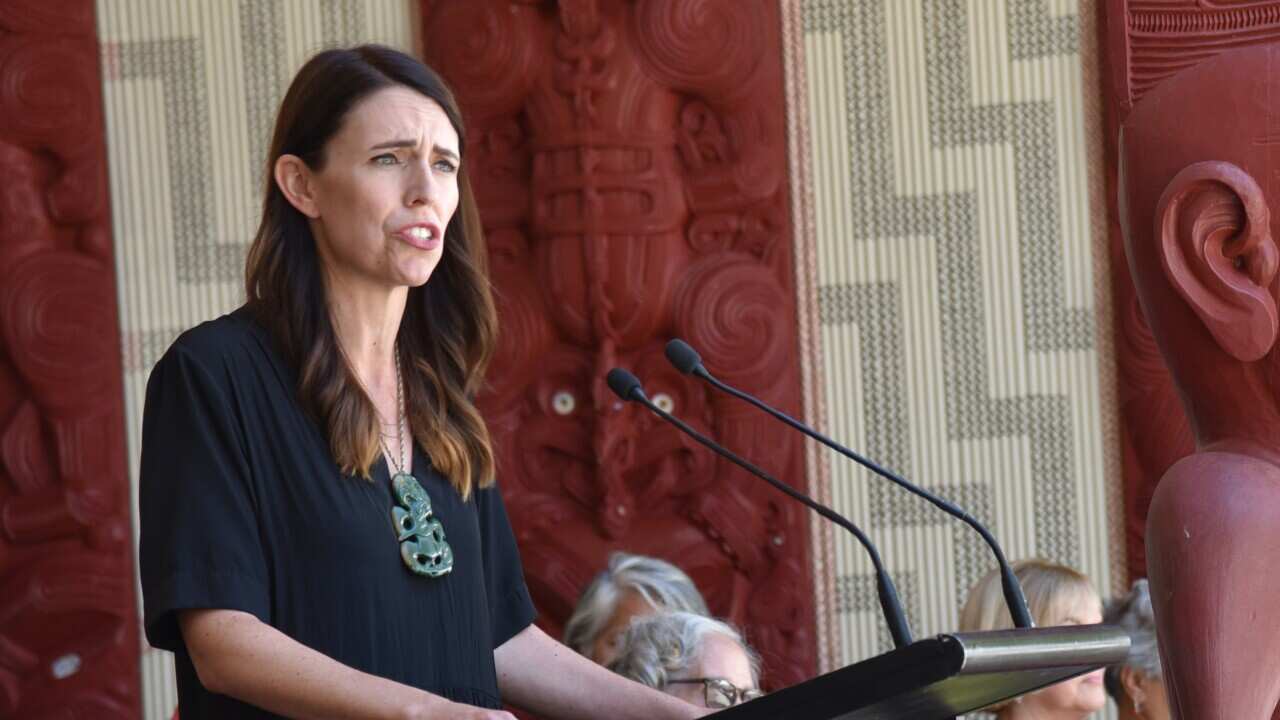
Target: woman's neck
1127, 711
366, 321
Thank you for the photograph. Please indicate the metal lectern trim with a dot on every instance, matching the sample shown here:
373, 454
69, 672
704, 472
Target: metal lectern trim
1012, 650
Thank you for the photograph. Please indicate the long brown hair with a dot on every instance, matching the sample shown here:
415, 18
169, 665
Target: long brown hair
449, 326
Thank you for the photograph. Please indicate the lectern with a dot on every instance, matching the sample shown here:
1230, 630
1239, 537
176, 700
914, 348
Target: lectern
945, 676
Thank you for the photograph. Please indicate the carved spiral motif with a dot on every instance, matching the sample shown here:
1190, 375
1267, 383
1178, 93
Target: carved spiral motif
491, 65
523, 334
49, 93
757, 175
705, 45
25, 225
57, 316
24, 452
738, 317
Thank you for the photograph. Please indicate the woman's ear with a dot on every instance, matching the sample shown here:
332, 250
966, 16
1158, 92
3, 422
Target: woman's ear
1213, 227
1131, 680
296, 182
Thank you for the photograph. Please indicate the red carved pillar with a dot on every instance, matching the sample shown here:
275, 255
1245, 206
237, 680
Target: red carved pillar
1195, 87
68, 618
1199, 192
630, 160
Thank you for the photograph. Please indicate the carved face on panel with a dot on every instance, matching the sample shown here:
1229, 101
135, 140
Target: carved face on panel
612, 457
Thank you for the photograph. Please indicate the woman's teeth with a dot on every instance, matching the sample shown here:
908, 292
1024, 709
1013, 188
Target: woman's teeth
421, 233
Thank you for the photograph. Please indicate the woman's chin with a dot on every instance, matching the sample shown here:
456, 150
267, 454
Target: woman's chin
1092, 697
416, 274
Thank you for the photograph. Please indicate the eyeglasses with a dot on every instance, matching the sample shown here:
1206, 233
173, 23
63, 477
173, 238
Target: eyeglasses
721, 693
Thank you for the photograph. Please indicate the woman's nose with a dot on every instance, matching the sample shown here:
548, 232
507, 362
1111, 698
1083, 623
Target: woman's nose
421, 188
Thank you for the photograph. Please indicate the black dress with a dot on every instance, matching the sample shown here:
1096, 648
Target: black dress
243, 508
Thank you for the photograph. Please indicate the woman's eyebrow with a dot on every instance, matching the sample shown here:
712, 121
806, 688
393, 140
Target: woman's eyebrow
393, 144
404, 143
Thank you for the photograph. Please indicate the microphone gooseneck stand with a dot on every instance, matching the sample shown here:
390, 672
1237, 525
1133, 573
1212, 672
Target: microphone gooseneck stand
626, 386
685, 359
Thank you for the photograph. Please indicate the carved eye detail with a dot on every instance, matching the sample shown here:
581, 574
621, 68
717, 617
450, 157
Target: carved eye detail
563, 402
664, 402
66, 666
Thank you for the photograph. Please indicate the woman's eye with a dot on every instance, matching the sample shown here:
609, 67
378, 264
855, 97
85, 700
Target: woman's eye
446, 166
386, 159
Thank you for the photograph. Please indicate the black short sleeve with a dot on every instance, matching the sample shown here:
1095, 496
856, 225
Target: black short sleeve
510, 607
199, 545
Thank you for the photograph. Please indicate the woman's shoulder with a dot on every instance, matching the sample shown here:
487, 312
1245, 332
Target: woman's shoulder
232, 341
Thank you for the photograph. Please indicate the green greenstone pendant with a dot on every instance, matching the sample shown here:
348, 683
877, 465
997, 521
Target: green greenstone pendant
422, 543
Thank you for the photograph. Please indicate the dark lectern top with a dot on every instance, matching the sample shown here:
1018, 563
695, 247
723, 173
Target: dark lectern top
945, 676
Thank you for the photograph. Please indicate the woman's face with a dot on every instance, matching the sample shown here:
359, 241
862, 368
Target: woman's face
386, 192
720, 657
631, 605
1084, 694
1146, 694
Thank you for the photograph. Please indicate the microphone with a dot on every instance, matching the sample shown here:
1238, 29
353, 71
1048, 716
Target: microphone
685, 359
626, 386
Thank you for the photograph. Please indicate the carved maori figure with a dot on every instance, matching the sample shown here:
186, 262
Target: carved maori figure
1148, 41
68, 617
630, 163
1200, 184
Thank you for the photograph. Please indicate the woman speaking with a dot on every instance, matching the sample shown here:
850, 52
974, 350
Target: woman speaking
321, 536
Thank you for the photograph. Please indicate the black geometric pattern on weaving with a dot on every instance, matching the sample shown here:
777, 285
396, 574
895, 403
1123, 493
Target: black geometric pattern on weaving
971, 558
151, 346
262, 42
857, 594
1033, 33
1029, 128
342, 22
950, 219
874, 309
178, 64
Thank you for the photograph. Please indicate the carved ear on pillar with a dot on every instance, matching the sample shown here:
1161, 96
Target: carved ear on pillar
1215, 243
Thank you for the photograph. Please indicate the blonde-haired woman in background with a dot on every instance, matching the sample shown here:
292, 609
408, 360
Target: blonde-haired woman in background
1056, 595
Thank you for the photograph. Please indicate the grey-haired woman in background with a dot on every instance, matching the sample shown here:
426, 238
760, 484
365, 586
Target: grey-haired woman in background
632, 586
698, 659
1137, 685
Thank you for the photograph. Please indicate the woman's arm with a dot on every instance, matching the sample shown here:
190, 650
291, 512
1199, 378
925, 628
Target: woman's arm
537, 673
237, 654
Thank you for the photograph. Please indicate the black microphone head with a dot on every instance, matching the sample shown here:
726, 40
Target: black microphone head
624, 384
682, 356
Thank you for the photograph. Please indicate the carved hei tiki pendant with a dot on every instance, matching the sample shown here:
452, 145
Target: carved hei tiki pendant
422, 543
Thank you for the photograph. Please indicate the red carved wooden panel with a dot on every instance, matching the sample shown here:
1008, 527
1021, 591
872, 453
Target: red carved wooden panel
630, 163
68, 617
1145, 42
